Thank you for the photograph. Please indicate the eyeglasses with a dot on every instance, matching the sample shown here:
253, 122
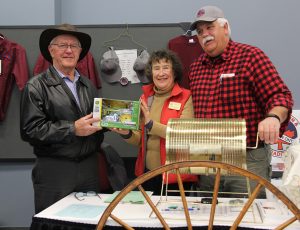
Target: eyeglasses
64, 46
81, 195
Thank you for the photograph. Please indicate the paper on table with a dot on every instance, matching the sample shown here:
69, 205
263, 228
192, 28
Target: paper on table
134, 197
81, 211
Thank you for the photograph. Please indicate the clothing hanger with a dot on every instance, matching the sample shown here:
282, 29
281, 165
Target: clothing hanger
125, 33
185, 26
188, 33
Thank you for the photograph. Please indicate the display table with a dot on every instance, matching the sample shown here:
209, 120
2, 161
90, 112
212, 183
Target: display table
70, 213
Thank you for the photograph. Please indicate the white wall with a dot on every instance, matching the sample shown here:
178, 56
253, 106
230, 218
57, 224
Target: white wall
29, 12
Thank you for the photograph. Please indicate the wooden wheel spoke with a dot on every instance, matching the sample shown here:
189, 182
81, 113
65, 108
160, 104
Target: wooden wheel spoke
152, 205
184, 202
121, 222
286, 223
214, 201
247, 205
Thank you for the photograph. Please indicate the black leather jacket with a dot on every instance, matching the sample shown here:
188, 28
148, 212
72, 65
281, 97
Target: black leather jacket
48, 112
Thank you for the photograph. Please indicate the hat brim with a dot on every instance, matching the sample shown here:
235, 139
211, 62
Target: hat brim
48, 35
204, 19
111, 77
141, 75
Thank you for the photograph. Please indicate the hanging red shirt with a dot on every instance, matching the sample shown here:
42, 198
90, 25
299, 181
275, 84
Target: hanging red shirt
188, 50
14, 68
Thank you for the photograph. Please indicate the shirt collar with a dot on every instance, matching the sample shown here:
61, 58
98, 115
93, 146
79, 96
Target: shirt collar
224, 56
77, 75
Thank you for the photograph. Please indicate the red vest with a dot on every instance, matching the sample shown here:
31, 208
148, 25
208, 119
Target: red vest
179, 95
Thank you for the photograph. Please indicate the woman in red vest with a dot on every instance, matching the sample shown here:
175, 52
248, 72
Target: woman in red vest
161, 100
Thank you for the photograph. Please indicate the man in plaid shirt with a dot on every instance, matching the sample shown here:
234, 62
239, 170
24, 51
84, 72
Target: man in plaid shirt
234, 80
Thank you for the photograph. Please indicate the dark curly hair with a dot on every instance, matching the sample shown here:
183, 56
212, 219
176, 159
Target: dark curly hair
166, 55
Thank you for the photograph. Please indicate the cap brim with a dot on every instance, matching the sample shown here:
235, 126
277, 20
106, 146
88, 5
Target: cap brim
204, 19
48, 35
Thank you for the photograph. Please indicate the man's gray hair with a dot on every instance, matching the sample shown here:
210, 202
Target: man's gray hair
222, 22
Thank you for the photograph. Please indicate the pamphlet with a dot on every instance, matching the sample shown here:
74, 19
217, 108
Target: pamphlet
134, 197
81, 211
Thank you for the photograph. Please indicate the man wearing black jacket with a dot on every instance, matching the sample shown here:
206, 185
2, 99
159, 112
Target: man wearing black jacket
56, 119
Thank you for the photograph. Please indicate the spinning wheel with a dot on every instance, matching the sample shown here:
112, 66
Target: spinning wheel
218, 166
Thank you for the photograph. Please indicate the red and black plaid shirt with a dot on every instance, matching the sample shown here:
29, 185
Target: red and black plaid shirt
241, 83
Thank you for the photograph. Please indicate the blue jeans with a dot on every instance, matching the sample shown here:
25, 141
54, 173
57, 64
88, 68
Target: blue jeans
258, 161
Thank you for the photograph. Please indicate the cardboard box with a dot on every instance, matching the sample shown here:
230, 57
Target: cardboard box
114, 113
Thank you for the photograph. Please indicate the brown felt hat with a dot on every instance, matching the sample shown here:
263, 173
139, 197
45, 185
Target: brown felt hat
48, 35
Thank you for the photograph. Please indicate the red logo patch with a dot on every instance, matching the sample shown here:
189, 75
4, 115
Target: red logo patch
201, 13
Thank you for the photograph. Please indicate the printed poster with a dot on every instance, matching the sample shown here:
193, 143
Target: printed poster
291, 135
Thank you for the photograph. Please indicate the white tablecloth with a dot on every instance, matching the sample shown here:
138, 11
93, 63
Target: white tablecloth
138, 215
